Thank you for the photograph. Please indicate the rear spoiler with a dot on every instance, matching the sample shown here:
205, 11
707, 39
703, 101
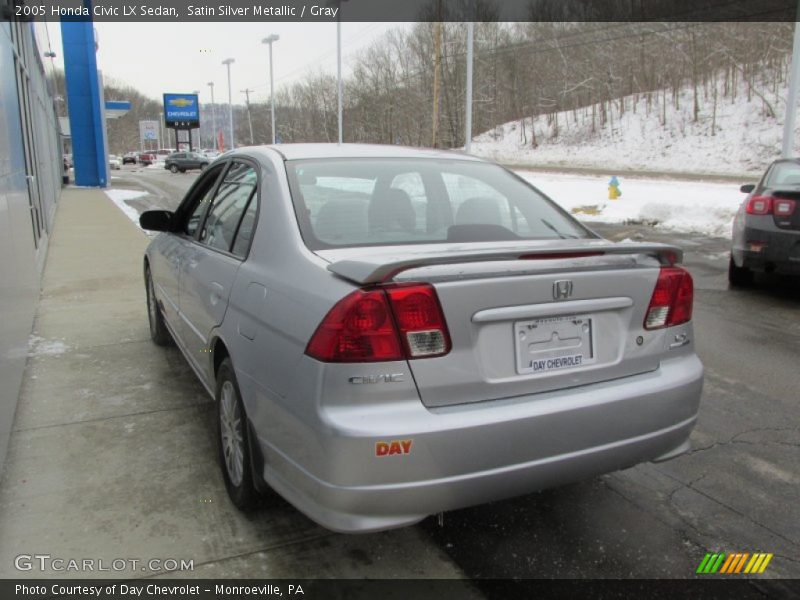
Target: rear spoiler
381, 268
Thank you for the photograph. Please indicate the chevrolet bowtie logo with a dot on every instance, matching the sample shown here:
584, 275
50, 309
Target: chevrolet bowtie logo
181, 102
562, 289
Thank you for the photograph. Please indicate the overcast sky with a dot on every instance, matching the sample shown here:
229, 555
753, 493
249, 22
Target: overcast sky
167, 57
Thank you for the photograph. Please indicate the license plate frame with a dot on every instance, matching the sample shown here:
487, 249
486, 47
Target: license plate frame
554, 344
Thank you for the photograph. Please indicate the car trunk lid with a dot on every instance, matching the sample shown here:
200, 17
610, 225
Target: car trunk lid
526, 318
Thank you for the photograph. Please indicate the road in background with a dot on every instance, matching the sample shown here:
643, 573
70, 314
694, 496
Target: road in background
735, 492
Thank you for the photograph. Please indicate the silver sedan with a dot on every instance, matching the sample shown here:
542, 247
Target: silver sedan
391, 332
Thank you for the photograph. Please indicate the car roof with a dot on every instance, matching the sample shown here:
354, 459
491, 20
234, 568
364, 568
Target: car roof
311, 151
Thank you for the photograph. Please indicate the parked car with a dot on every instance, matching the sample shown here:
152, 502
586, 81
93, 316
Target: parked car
766, 228
114, 162
390, 332
147, 158
129, 158
184, 161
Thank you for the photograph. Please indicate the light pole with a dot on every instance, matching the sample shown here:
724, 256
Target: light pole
339, 71
339, 88
787, 145
199, 137
228, 62
213, 116
468, 107
269, 40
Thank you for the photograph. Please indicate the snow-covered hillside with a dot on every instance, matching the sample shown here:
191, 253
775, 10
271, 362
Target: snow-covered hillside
745, 139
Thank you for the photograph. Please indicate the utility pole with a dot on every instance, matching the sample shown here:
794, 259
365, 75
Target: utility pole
249, 118
213, 116
437, 67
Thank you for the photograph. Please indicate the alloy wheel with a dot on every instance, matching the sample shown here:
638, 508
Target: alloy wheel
232, 433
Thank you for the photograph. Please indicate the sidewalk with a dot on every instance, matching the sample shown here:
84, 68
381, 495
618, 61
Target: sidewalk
112, 453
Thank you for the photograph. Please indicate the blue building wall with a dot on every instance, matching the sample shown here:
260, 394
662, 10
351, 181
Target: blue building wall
30, 184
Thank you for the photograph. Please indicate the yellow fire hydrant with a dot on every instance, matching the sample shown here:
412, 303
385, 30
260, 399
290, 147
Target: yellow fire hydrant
613, 188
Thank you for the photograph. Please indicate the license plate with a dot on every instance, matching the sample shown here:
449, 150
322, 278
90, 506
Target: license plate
554, 344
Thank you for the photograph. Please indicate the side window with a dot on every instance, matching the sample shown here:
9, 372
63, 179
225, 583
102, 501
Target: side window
201, 200
229, 207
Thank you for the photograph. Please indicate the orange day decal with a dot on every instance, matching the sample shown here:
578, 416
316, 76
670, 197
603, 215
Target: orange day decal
393, 447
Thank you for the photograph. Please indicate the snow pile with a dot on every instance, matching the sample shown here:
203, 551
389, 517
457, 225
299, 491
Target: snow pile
119, 197
740, 139
706, 208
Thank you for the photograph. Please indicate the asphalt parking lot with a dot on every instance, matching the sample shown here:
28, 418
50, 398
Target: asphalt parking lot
112, 450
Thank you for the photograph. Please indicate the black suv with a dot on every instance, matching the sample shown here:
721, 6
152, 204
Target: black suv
183, 161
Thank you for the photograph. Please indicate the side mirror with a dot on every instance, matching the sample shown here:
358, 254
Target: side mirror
156, 220
747, 188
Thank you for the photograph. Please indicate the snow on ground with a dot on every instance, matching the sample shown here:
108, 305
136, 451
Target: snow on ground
119, 197
740, 138
688, 206
38, 346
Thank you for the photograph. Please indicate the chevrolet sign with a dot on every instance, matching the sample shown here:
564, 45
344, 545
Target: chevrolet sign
181, 111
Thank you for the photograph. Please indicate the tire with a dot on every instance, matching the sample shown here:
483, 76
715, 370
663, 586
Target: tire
173, 168
232, 440
203, 166
158, 329
739, 276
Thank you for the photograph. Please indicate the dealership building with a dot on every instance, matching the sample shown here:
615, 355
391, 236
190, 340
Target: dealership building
30, 185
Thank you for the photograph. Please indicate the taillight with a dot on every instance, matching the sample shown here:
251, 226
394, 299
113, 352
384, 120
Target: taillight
759, 205
671, 303
382, 324
783, 207
359, 328
419, 319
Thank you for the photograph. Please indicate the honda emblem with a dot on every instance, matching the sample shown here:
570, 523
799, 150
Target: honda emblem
562, 289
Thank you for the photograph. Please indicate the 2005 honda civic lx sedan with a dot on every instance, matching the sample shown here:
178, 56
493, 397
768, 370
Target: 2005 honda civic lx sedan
390, 333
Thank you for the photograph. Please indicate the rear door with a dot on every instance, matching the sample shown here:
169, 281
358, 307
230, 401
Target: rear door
173, 248
213, 258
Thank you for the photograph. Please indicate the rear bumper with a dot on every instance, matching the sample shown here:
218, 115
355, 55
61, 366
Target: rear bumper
471, 454
780, 255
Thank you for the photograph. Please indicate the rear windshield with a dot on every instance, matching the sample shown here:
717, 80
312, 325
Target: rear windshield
379, 202
784, 173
